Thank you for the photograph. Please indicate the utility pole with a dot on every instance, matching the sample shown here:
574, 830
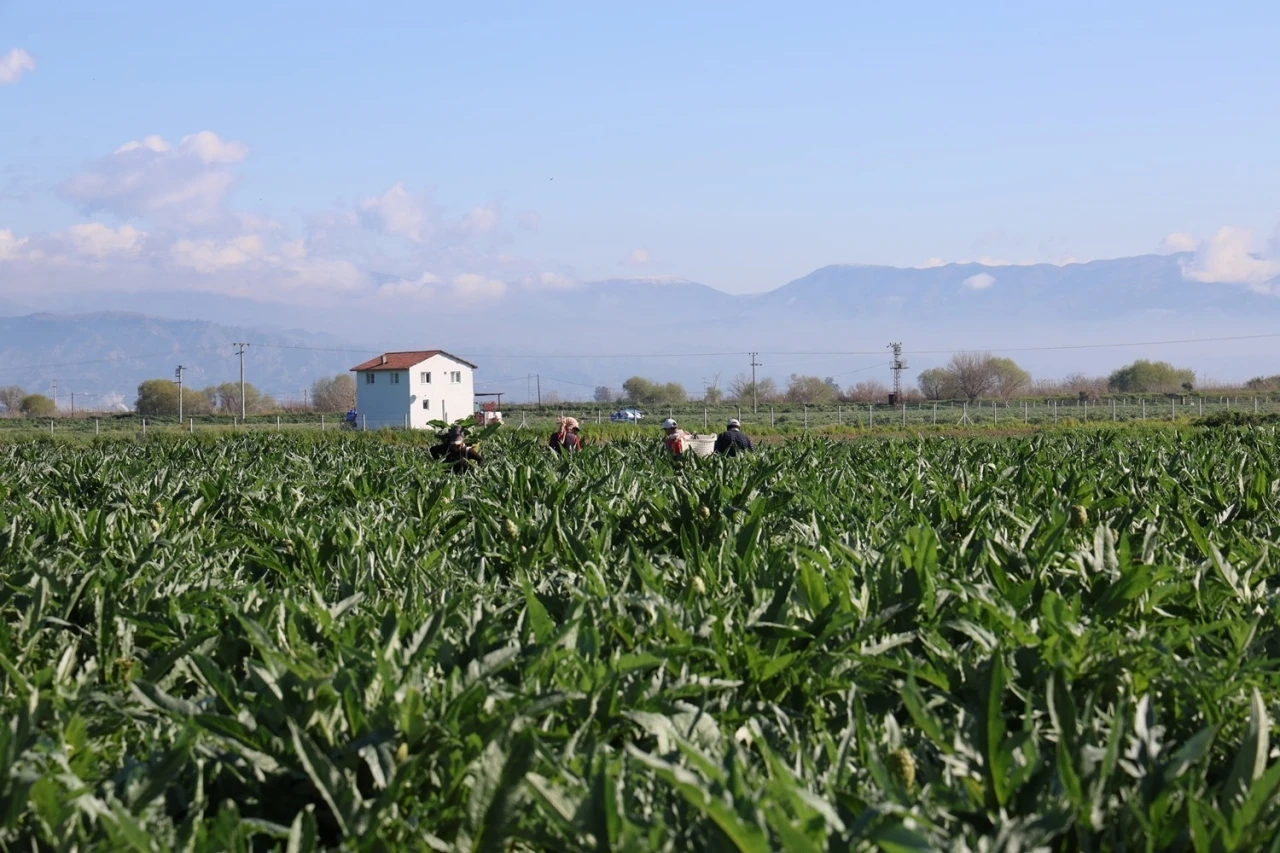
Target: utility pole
898, 366
178, 373
73, 404
754, 399
241, 351
55, 394
539, 392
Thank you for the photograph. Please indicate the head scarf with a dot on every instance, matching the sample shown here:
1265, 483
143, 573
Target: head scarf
563, 425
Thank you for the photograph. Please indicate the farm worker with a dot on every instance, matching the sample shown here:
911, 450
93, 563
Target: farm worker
566, 436
675, 438
455, 451
733, 440
351, 417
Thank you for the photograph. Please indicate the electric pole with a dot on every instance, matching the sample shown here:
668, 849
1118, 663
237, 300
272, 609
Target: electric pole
73, 404
539, 392
754, 365
241, 351
178, 373
898, 366
55, 394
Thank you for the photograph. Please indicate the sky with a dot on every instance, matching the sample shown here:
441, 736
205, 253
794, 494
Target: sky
390, 150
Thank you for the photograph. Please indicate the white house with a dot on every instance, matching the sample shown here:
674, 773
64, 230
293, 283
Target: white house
420, 386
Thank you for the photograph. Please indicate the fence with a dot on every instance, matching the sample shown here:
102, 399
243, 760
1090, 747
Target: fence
704, 419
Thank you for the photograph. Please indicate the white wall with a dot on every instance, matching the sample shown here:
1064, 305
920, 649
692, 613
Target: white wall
382, 403
446, 400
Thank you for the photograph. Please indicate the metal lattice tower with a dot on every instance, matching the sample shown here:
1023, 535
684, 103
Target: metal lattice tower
898, 366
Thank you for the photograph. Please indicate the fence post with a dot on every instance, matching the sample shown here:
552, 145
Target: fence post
904, 414
1255, 405
191, 425
144, 426
1173, 410
1113, 409
50, 426
771, 416
806, 415
1202, 407
95, 426
995, 412
935, 413
839, 415
1144, 408
704, 414
870, 417
322, 423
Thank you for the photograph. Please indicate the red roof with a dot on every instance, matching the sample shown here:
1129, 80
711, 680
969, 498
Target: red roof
406, 360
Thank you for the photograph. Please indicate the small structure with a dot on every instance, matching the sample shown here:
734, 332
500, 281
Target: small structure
489, 413
411, 389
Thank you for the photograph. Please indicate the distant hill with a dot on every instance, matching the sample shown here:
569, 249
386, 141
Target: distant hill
564, 335
103, 356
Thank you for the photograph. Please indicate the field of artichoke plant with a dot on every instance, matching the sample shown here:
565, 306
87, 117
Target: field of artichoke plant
1066, 641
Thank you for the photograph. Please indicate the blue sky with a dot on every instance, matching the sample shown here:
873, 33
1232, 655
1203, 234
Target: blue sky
423, 145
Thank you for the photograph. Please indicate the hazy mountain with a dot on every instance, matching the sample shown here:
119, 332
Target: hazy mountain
102, 357
565, 335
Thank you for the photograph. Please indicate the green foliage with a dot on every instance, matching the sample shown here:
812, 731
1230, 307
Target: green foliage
37, 405
639, 390
297, 642
1264, 383
810, 389
1144, 376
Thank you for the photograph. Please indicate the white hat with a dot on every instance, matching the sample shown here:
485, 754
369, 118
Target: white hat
669, 423
733, 423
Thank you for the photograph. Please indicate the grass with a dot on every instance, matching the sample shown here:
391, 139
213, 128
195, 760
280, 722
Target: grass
1062, 641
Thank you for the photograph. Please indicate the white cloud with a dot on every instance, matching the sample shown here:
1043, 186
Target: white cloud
11, 246
1178, 241
210, 256
95, 240
208, 148
14, 64
1227, 257
481, 220
981, 281
398, 213
470, 284
933, 262
152, 178
637, 257
530, 221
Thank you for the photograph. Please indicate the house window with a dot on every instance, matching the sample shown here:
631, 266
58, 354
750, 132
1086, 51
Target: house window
455, 377
426, 404
368, 378
426, 377
395, 379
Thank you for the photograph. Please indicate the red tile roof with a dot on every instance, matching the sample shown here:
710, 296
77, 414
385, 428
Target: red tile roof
405, 360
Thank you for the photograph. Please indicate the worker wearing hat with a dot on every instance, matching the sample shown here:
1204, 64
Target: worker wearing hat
565, 438
733, 440
675, 438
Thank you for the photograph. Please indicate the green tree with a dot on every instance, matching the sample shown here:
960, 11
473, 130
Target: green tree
934, 383
1150, 377
604, 394
1009, 378
334, 395
637, 389
37, 405
809, 389
157, 397
256, 403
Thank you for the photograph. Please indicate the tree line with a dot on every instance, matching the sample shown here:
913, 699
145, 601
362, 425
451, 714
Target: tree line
968, 376
159, 398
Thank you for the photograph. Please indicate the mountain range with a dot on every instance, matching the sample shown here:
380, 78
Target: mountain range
576, 338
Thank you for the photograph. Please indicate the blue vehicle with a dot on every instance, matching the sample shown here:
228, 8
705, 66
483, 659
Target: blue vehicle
627, 415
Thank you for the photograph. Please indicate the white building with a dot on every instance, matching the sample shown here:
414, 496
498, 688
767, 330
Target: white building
399, 388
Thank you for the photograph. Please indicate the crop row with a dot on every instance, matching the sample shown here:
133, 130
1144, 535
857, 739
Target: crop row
1066, 641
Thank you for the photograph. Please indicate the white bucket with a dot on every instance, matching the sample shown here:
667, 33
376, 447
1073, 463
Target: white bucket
703, 445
